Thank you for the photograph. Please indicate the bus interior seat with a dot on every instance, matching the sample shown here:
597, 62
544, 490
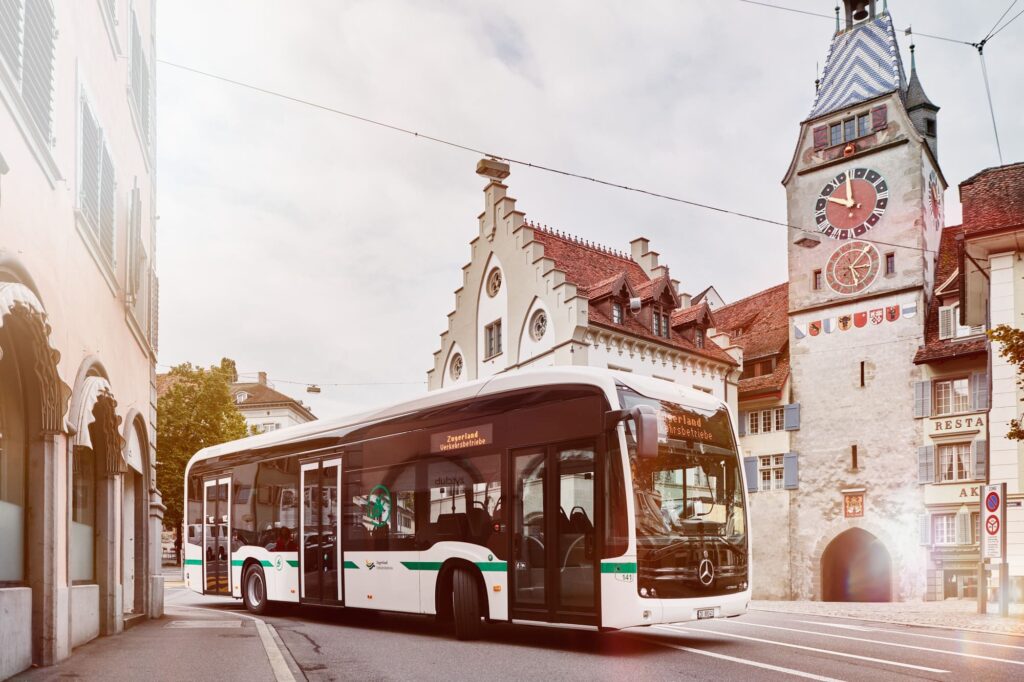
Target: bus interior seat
579, 522
479, 524
451, 527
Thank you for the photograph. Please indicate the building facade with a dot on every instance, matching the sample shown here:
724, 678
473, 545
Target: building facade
79, 512
265, 408
990, 293
535, 297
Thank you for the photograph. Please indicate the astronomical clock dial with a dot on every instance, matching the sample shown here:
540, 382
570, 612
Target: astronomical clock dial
851, 203
933, 211
852, 268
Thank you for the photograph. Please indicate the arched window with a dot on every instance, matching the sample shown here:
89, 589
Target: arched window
13, 461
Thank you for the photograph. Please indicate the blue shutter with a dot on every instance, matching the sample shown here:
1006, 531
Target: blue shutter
790, 471
922, 399
979, 391
743, 424
925, 528
925, 464
792, 419
750, 470
979, 455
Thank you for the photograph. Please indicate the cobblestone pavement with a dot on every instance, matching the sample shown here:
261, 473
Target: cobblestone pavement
960, 614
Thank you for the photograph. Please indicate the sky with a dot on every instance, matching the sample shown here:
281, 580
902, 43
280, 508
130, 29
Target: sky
325, 250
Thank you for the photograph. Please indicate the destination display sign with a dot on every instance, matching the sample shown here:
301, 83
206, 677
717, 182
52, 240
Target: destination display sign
460, 439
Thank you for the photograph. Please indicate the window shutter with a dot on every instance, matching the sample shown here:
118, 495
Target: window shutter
820, 137
743, 424
925, 464
107, 206
10, 35
963, 527
947, 325
37, 77
89, 181
925, 525
136, 256
750, 471
790, 471
879, 117
792, 417
979, 456
979, 391
922, 399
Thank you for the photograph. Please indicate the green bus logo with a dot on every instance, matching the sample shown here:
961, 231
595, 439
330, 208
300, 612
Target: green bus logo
378, 506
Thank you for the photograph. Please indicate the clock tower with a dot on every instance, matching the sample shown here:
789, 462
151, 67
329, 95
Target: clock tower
864, 200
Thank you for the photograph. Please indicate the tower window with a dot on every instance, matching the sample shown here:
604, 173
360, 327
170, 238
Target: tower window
863, 125
816, 280
929, 127
890, 264
836, 134
849, 129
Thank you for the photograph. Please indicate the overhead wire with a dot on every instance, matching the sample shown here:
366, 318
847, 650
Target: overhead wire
519, 162
1001, 16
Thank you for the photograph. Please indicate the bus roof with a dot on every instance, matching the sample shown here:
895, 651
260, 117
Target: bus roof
604, 379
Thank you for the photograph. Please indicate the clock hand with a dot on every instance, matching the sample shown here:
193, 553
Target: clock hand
849, 188
842, 202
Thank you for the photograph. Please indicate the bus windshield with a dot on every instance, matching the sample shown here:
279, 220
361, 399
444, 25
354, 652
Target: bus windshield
689, 503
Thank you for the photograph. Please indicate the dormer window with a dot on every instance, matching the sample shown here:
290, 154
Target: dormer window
659, 324
949, 324
929, 127
698, 338
664, 325
616, 312
241, 397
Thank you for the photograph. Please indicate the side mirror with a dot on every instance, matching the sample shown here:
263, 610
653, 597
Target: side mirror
646, 420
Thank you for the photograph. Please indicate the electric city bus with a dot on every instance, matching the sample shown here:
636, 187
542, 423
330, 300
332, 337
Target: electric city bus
565, 495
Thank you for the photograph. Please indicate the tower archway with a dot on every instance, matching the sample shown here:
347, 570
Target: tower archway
856, 566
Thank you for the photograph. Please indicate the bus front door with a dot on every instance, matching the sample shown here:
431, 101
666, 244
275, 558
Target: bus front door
217, 535
553, 567
320, 533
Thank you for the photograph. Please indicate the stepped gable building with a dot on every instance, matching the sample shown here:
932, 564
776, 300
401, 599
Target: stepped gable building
532, 296
991, 267
80, 515
265, 408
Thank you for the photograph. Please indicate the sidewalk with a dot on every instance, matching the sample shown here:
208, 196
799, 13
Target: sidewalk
952, 613
188, 643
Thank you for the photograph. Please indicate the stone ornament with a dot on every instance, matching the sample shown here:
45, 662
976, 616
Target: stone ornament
494, 283
538, 325
456, 369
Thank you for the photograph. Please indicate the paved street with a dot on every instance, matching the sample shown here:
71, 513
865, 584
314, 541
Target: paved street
338, 645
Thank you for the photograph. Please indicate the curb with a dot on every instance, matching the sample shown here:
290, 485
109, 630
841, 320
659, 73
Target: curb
895, 622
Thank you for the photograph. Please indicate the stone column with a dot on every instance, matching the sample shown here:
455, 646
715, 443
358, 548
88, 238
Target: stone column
108, 554
46, 543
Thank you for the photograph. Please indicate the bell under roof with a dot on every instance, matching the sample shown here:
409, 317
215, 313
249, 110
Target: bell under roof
863, 62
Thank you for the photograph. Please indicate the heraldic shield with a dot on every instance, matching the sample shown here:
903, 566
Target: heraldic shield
876, 316
892, 313
860, 319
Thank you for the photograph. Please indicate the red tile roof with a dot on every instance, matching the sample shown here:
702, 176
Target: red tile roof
261, 395
993, 199
934, 348
759, 324
685, 316
597, 270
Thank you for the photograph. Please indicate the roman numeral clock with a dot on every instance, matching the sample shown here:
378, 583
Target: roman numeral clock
847, 207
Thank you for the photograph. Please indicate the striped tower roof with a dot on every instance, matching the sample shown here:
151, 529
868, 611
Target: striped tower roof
862, 63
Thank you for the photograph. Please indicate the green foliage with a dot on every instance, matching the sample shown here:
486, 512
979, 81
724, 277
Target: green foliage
1011, 347
195, 411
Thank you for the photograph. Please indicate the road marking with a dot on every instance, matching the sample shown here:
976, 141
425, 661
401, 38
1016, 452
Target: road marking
805, 648
959, 640
191, 624
884, 643
742, 661
859, 628
277, 662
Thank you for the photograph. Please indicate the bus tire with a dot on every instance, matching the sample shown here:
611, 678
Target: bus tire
466, 607
254, 590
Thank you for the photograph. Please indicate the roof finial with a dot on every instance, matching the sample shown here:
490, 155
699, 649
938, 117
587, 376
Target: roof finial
837, 18
913, 59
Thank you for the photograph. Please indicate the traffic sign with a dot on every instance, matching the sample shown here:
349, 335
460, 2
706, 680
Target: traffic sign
993, 544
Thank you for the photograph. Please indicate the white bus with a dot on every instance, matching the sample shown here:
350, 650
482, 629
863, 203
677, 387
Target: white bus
565, 495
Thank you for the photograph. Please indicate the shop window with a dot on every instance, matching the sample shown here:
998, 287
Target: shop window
83, 515
13, 457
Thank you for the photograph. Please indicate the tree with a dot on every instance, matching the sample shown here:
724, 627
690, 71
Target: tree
1011, 347
194, 411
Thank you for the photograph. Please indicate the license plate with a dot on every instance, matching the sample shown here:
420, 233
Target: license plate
705, 613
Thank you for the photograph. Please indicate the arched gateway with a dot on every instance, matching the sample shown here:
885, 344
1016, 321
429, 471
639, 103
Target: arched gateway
856, 566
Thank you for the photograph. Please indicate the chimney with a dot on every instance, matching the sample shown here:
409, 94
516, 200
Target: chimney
263, 379
685, 300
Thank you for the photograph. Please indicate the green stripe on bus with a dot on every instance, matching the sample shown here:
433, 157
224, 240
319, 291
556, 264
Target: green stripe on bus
294, 563
350, 564
618, 568
193, 562
422, 565
492, 566
263, 563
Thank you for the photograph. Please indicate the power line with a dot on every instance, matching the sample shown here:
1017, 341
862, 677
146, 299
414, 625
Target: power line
511, 160
314, 383
993, 29
991, 109
999, 30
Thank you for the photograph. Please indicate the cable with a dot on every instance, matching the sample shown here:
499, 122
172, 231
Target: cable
991, 109
519, 162
997, 32
992, 31
314, 383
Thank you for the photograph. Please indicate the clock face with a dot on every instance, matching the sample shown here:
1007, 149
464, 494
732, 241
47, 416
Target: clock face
851, 203
852, 268
934, 210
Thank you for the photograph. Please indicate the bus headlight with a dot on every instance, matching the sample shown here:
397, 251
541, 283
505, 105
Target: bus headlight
643, 591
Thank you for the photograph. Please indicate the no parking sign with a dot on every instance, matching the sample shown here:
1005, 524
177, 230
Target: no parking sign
993, 512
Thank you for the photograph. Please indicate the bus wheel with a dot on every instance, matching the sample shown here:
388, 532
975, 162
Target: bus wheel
254, 590
466, 605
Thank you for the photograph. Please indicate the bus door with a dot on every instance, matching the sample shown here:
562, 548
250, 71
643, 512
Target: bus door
217, 535
320, 532
553, 572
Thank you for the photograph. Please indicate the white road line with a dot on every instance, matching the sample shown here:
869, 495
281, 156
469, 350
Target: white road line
742, 661
882, 661
858, 628
920, 634
884, 643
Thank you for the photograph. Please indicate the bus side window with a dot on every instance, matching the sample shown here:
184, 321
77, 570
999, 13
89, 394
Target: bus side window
616, 525
194, 513
465, 500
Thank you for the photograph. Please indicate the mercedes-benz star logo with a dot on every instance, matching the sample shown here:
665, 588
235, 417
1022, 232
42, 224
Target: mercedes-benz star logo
706, 572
